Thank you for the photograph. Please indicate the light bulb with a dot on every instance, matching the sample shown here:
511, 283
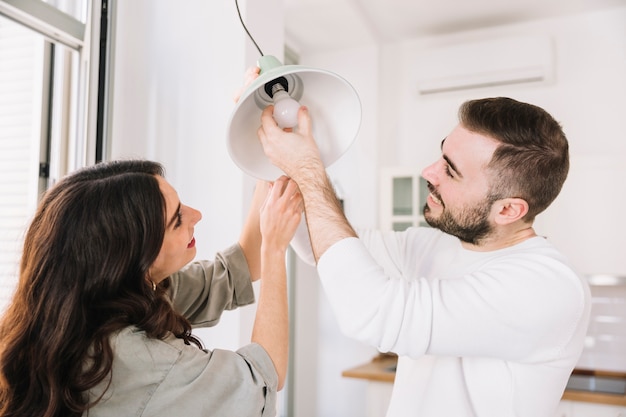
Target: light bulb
285, 108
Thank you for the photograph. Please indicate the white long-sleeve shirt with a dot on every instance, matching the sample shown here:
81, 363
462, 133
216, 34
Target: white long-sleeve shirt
478, 334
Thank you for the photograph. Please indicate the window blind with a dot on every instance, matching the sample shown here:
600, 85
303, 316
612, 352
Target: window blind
21, 69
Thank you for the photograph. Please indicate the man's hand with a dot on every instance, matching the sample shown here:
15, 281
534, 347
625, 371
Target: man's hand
294, 152
297, 154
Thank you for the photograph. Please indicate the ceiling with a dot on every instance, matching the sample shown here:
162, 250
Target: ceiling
318, 25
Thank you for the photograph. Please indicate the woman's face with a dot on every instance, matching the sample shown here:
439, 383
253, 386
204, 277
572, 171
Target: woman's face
179, 245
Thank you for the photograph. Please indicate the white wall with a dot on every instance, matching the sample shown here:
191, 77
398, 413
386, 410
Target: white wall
402, 128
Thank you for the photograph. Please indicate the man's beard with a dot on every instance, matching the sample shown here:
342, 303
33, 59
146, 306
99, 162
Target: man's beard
471, 225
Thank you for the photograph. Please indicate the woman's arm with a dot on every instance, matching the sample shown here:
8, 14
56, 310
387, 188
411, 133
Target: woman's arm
280, 216
250, 237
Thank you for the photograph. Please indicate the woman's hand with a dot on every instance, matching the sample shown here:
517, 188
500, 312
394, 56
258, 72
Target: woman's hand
251, 74
280, 214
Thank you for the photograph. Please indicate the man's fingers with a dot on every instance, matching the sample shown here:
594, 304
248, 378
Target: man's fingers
304, 121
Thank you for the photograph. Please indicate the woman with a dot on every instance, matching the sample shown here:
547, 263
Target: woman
100, 323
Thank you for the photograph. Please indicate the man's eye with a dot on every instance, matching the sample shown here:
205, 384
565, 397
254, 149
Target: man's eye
448, 172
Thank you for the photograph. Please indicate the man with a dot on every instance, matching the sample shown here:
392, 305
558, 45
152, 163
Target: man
488, 319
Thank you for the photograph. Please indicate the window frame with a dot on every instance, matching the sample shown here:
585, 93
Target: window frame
91, 41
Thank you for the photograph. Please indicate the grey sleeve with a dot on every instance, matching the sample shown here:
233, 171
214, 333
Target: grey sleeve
166, 378
202, 290
216, 383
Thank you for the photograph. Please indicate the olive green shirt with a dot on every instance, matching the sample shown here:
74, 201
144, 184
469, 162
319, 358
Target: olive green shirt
166, 378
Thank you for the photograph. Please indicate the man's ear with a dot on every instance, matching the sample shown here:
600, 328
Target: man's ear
509, 210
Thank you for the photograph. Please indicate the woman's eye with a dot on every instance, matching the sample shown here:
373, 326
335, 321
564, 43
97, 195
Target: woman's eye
179, 219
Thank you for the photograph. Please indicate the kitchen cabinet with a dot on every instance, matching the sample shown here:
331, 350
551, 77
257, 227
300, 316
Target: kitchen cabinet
403, 194
378, 397
380, 374
582, 409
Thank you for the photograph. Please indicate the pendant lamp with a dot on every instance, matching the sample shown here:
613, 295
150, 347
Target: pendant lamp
333, 104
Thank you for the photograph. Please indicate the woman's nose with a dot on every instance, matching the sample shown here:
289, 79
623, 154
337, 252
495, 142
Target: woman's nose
196, 215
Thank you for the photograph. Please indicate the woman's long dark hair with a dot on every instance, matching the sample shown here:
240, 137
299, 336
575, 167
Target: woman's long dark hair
84, 276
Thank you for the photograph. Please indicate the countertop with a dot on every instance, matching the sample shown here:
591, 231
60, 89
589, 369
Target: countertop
382, 369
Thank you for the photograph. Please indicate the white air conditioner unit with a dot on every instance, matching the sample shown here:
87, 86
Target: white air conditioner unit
483, 64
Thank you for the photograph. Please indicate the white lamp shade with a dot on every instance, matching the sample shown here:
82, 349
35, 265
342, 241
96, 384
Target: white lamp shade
333, 104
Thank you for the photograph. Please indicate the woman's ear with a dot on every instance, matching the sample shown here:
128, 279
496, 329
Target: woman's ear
509, 210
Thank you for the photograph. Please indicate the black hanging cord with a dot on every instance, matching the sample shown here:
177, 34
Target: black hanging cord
246, 29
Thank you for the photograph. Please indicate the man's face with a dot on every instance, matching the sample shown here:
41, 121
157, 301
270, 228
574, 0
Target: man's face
458, 203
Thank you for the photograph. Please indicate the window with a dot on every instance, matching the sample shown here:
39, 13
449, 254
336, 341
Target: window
48, 124
21, 69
